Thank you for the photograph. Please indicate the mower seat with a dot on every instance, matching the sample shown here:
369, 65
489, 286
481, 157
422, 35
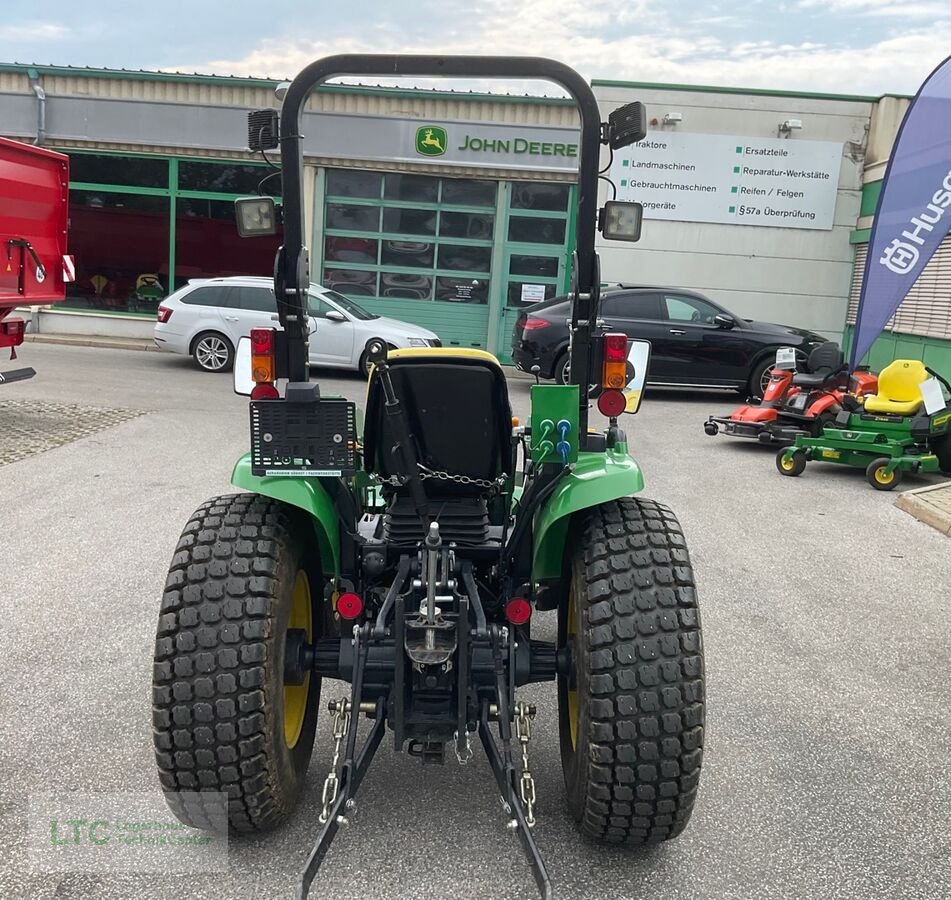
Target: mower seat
898, 391
825, 362
459, 416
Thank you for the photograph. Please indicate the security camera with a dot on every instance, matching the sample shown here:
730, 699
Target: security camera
791, 125
281, 90
672, 118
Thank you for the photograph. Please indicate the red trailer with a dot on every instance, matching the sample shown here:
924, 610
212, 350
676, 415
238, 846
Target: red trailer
34, 211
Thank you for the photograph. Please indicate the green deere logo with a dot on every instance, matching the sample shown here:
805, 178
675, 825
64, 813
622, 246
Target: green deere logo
430, 140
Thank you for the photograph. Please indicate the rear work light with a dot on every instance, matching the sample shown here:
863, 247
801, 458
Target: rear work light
263, 353
164, 314
614, 369
533, 324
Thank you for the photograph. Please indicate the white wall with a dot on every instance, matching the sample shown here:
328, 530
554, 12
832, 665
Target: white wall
788, 275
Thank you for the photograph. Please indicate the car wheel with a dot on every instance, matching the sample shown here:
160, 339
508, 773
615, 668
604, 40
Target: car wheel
759, 378
563, 368
213, 352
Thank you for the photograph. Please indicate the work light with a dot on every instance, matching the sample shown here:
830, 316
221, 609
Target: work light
256, 216
621, 221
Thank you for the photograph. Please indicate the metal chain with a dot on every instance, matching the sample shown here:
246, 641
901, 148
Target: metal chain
524, 713
397, 481
341, 724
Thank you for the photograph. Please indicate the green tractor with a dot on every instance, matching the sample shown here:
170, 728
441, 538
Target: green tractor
404, 552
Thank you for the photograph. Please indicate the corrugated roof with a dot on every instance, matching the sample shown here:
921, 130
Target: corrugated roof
201, 78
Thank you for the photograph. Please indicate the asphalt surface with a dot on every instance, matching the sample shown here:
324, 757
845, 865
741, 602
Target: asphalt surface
828, 652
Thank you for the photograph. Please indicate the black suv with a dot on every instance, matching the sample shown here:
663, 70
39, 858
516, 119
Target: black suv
695, 342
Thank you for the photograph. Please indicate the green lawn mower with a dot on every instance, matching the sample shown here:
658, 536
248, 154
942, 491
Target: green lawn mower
897, 430
404, 552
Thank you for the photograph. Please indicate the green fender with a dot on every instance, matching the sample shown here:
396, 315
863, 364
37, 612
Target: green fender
305, 493
595, 479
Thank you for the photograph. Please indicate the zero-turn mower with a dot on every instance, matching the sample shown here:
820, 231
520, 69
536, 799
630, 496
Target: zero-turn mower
407, 558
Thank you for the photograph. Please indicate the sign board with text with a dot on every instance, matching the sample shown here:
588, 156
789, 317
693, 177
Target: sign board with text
684, 177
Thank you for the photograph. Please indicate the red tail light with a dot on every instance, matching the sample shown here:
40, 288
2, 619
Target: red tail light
533, 324
263, 362
13, 328
265, 392
164, 314
349, 605
262, 341
612, 403
518, 610
615, 348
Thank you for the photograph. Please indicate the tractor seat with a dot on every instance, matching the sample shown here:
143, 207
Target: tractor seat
898, 391
824, 362
459, 417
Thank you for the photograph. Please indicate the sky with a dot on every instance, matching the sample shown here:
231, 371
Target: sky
832, 46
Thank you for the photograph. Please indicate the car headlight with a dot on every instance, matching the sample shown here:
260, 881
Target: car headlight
417, 342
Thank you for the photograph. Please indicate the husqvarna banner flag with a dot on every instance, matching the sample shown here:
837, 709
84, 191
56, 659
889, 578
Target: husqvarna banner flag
914, 208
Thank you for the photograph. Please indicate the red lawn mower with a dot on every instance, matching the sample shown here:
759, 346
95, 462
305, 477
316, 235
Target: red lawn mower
794, 402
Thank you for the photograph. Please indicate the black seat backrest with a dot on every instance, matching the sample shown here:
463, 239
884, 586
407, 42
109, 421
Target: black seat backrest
826, 358
459, 418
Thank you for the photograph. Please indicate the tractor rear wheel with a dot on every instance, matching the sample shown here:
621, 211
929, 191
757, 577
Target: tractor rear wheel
223, 717
631, 706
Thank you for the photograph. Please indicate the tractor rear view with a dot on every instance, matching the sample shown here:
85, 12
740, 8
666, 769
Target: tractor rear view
407, 557
34, 208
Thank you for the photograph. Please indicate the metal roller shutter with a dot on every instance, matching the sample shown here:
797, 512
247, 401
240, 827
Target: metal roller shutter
926, 311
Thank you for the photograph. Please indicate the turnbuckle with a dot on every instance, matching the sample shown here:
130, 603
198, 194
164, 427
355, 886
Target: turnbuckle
341, 724
524, 713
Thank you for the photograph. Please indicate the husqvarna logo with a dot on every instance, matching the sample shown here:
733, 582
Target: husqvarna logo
901, 256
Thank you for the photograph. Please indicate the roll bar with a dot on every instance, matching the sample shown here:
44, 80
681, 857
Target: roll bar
292, 267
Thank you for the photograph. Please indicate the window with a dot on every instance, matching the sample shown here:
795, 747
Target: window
213, 295
463, 192
411, 188
207, 243
409, 237
470, 259
129, 170
681, 308
537, 230
355, 310
317, 306
539, 195
466, 225
257, 299
631, 306
225, 178
120, 243
413, 254
343, 183
351, 249
541, 266
353, 218
409, 221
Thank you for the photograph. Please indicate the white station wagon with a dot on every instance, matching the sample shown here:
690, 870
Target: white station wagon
206, 318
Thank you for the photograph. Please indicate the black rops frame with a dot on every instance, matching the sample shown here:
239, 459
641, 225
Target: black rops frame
292, 266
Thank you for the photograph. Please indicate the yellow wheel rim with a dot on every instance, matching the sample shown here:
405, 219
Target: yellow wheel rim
295, 695
787, 464
573, 693
883, 477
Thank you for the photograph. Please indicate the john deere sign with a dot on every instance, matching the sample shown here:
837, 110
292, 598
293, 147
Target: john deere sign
431, 140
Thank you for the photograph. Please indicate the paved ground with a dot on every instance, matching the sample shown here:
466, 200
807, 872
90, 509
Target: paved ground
827, 772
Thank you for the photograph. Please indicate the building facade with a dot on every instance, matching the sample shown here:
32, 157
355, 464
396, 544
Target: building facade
456, 210
451, 210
